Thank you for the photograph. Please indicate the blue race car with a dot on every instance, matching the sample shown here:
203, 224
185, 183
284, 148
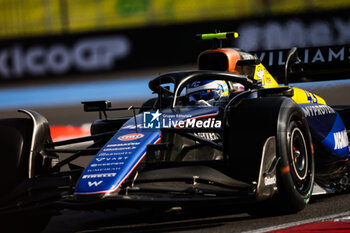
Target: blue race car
227, 134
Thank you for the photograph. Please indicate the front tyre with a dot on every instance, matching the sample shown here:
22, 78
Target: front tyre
295, 174
29, 223
249, 125
15, 141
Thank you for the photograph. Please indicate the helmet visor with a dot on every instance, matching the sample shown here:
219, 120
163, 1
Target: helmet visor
205, 95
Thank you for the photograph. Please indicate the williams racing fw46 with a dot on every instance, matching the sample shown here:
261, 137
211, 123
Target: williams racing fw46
224, 134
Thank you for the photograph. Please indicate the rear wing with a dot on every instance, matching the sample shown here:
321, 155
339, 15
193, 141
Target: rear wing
317, 63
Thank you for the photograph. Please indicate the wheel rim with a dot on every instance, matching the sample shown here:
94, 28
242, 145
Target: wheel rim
299, 154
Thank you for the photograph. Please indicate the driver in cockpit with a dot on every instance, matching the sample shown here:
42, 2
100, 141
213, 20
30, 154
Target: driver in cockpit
209, 92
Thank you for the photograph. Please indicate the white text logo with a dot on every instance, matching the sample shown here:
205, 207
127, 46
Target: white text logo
97, 53
340, 140
95, 183
99, 175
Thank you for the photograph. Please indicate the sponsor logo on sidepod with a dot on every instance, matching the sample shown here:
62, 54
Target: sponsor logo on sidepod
340, 140
130, 137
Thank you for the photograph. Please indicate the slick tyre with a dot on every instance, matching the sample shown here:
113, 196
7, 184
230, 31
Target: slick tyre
295, 174
295, 171
249, 125
15, 141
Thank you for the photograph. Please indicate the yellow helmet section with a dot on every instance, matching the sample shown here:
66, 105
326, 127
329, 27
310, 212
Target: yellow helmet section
225, 86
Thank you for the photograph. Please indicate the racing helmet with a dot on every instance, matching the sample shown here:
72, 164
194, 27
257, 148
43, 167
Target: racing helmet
237, 87
206, 90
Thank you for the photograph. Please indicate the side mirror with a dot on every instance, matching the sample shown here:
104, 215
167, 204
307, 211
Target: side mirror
94, 106
100, 106
292, 58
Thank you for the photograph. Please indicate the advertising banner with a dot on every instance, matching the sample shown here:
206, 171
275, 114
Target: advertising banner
20, 18
133, 49
316, 63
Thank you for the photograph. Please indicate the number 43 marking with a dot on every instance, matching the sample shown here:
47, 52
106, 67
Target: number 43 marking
311, 97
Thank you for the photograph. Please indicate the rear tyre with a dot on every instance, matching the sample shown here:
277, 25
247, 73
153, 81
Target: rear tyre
15, 141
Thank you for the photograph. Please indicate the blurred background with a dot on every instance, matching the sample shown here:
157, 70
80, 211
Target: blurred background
55, 54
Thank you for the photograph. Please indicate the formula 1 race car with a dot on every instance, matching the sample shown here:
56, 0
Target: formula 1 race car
260, 144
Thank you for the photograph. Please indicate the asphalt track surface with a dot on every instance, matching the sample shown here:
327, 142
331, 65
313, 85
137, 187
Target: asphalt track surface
229, 219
